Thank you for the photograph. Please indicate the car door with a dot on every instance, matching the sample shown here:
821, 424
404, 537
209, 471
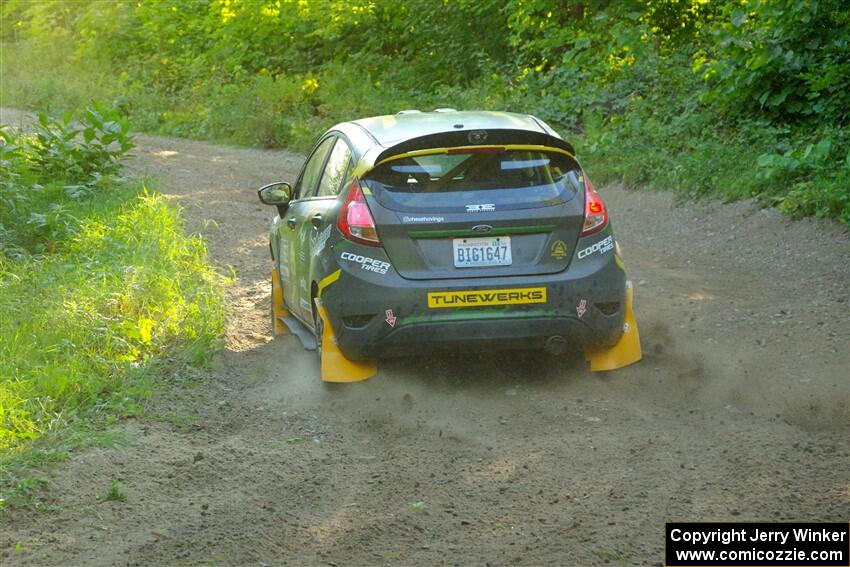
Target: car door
314, 232
294, 251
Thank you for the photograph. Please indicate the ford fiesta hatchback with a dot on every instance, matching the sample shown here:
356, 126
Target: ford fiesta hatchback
424, 230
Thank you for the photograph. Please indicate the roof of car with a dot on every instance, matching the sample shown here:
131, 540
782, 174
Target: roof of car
392, 129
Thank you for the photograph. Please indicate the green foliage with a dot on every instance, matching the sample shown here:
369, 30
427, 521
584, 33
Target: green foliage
82, 325
788, 59
20, 491
719, 97
116, 492
98, 282
62, 161
57, 151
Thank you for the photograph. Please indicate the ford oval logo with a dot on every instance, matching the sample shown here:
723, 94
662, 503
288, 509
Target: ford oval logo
477, 136
482, 228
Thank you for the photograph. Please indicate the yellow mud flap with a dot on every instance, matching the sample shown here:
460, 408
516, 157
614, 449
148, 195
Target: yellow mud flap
278, 310
626, 351
335, 367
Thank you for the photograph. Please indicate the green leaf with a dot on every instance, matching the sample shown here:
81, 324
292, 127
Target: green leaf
145, 329
779, 98
822, 149
738, 17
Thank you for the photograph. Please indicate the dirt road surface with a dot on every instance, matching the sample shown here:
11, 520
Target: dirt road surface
739, 411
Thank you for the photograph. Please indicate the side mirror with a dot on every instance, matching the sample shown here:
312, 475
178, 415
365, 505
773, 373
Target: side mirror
278, 193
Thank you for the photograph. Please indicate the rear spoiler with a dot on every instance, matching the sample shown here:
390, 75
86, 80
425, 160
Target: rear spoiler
495, 137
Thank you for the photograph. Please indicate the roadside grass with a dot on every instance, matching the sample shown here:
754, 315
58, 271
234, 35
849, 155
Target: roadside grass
25, 471
612, 556
103, 297
116, 492
88, 330
37, 84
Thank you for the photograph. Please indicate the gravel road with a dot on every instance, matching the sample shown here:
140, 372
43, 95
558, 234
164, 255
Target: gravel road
739, 411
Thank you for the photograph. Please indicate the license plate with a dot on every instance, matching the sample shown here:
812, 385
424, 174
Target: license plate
479, 252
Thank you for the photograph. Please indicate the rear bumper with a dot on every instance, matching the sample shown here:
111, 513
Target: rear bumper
385, 316
526, 333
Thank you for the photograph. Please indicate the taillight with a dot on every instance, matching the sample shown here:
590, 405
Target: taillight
355, 222
595, 213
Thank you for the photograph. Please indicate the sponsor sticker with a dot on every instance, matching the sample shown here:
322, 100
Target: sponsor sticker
559, 250
581, 308
408, 219
601, 247
283, 252
484, 297
366, 263
482, 208
391, 318
322, 239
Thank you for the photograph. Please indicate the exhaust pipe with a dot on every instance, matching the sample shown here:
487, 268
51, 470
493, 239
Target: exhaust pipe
556, 344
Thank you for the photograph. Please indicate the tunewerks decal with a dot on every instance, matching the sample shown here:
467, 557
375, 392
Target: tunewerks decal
479, 298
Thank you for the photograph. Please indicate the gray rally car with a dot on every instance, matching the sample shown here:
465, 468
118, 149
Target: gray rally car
423, 230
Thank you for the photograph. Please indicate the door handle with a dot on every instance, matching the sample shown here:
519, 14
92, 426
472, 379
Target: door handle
290, 222
316, 220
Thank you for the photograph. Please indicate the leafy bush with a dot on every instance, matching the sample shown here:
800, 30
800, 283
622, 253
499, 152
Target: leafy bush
62, 160
811, 178
97, 280
785, 58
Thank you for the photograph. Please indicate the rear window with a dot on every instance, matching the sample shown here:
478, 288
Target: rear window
500, 179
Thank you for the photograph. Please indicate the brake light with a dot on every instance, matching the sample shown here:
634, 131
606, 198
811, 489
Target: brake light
595, 213
355, 222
